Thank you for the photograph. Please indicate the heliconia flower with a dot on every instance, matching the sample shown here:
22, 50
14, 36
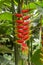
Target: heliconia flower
20, 35
20, 41
24, 44
25, 37
25, 28
23, 48
26, 23
26, 17
26, 10
19, 21
20, 26
25, 33
20, 30
27, 48
18, 15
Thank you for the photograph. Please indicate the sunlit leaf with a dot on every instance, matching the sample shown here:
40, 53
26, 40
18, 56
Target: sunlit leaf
6, 16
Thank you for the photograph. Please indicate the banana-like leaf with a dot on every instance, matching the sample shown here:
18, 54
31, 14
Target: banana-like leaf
6, 16
36, 58
6, 28
17, 1
4, 49
32, 5
5, 61
40, 3
6, 2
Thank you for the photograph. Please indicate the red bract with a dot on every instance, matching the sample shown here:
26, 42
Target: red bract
26, 10
20, 41
23, 48
20, 35
25, 23
25, 28
24, 45
18, 15
26, 17
25, 33
25, 37
20, 30
19, 21
20, 26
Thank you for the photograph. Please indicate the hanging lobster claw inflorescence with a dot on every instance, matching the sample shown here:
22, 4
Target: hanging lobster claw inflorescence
23, 29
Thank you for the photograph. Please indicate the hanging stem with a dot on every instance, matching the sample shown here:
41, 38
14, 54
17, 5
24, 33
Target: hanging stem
40, 34
31, 46
26, 2
19, 6
15, 45
31, 50
22, 62
30, 53
20, 2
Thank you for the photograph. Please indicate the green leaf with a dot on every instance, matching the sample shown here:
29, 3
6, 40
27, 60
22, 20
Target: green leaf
40, 3
36, 58
32, 5
6, 27
42, 22
4, 49
6, 16
16, 1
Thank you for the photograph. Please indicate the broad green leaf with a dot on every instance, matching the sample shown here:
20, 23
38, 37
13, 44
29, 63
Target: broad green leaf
40, 3
6, 28
7, 3
32, 5
42, 22
6, 16
17, 1
36, 58
1, 3
4, 49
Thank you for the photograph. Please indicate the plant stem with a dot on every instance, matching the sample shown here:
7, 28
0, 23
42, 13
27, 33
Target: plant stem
30, 53
31, 46
15, 45
19, 7
40, 35
26, 2
31, 50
